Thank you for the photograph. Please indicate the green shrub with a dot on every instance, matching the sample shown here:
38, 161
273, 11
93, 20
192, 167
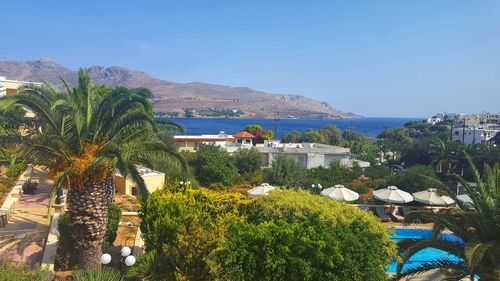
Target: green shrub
247, 160
285, 171
65, 255
114, 215
105, 274
182, 229
294, 235
288, 235
11, 272
213, 164
415, 178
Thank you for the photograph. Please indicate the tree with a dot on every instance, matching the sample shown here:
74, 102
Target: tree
478, 228
313, 136
267, 135
285, 171
444, 155
353, 136
292, 235
212, 164
416, 178
248, 160
292, 137
253, 128
86, 135
331, 134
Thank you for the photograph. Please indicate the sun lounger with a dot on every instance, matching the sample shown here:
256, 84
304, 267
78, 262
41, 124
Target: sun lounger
379, 211
395, 215
406, 211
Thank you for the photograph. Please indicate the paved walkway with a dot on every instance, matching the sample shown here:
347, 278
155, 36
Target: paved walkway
24, 237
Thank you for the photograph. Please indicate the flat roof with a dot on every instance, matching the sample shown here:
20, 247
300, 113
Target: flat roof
205, 137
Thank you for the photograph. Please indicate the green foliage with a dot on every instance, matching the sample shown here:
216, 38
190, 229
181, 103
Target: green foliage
11, 272
267, 135
97, 274
182, 229
292, 137
365, 151
253, 128
334, 174
298, 236
349, 135
66, 248
285, 171
377, 172
415, 178
114, 215
247, 160
200, 235
331, 134
328, 134
313, 136
212, 164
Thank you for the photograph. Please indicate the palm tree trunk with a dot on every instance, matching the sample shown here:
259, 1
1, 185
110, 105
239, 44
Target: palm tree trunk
88, 212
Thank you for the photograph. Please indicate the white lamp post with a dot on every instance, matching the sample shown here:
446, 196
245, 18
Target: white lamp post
130, 260
125, 252
105, 259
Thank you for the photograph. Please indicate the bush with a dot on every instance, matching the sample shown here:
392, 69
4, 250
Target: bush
288, 235
182, 229
65, 255
247, 160
213, 164
377, 172
415, 178
294, 235
11, 272
285, 171
114, 215
97, 274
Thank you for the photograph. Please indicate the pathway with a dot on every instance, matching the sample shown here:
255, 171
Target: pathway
24, 237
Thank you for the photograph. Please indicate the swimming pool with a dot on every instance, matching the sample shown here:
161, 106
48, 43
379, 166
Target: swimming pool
425, 255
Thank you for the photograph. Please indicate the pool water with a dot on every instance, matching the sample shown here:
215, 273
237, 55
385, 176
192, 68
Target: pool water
425, 255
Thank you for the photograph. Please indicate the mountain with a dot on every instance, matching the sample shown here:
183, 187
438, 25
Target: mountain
197, 99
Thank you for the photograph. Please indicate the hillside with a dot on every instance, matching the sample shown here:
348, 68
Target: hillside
198, 99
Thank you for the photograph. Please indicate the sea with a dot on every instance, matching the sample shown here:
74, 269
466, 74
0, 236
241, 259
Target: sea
370, 127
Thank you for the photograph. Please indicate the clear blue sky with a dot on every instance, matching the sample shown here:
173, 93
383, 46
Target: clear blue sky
376, 58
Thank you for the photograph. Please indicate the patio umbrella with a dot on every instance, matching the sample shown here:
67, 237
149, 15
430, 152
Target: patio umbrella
431, 197
464, 198
260, 190
393, 195
340, 193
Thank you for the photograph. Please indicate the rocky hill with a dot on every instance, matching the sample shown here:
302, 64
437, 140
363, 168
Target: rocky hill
197, 99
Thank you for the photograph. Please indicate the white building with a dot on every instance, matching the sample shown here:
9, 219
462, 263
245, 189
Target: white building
191, 143
435, 119
482, 134
309, 155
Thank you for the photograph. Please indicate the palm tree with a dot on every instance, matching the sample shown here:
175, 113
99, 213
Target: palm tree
444, 154
86, 135
479, 228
